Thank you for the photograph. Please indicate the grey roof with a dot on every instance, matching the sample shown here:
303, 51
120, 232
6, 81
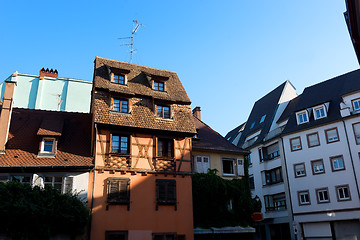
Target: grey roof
211, 141
266, 105
230, 136
328, 91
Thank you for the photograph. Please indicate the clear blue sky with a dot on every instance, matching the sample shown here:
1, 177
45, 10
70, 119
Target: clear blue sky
227, 54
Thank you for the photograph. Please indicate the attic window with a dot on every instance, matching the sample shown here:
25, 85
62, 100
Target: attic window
118, 78
47, 147
163, 111
356, 104
262, 118
319, 112
159, 86
302, 117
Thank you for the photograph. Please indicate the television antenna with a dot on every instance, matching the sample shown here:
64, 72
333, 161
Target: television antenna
136, 26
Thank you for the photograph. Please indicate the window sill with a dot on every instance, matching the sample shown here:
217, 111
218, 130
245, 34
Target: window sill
228, 175
165, 119
46, 155
120, 113
273, 184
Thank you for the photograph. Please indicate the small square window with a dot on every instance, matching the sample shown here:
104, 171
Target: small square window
343, 193
118, 78
165, 192
118, 190
319, 112
165, 148
162, 111
120, 105
332, 135
322, 195
47, 147
302, 117
317, 166
120, 144
356, 104
228, 167
337, 163
313, 140
300, 170
304, 197
295, 144
159, 86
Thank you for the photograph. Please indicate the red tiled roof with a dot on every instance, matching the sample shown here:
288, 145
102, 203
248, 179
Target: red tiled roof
73, 132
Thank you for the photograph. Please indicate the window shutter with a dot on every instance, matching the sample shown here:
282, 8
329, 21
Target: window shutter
161, 191
68, 184
171, 192
124, 191
113, 190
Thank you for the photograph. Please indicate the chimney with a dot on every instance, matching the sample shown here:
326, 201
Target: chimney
197, 112
5, 115
48, 73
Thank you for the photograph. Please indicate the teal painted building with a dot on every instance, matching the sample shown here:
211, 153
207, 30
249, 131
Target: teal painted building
49, 92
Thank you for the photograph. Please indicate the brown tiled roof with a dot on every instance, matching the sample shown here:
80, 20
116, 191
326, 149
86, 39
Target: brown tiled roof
211, 141
74, 144
51, 127
142, 98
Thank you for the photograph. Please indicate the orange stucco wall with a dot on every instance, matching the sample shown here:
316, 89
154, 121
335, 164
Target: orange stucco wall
142, 220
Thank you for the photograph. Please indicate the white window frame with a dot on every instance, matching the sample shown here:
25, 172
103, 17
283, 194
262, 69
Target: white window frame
315, 109
353, 104
302, 199
340, 189
233, 166
320, 192
298, 114
43, 145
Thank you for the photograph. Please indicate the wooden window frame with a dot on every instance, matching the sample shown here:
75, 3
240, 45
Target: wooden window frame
308, 141
353, 106
312, 166
299, 193
119, 199
337, 192
332, 165
357, 143
118, 74
128, 144
167, 184
326, 135
291, 146
270, 171
159, 82
172, 153
297, 164
317, 191
120, 105
162, 111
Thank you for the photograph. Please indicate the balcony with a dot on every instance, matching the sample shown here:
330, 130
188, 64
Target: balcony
162, 164
117, 161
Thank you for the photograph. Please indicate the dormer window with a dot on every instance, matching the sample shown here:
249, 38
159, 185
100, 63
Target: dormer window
302, 117
47, 147
163, 111
159, 86
120, 105
356, 104
319, 112
118, 78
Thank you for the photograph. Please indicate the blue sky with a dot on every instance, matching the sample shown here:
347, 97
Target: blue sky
228, 54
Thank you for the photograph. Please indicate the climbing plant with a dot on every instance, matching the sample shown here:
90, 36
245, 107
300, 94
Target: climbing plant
34, 213
218, 202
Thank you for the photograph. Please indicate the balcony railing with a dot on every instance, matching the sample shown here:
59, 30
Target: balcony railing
162, 164
118, 161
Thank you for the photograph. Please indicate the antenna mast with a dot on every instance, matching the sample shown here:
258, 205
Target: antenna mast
136, 26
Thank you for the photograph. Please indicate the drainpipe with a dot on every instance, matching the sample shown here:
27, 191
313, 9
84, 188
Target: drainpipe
351, 157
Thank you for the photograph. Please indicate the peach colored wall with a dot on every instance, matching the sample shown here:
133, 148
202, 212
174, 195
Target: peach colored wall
142, 219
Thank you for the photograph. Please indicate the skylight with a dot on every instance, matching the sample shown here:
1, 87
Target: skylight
262, 118
252, 125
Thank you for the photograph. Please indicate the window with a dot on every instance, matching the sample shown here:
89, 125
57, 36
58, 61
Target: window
252, 125
159, 86
343, 193
337, 163
295, 144
304, 197
165, 148
251, 182
116, 235
202, 164
322, 195
332, 135
317, 166
300, 170
313, 140
356, 128
273, 176
319, 112
4, 178
165, 192
120, 105
163, 111
164, 236
275, 202
118, 78
302, 117
118, 190
63, 184
228, 167
250, 160
356, 104
47, 147
262, 119
269, 152
25, 179
120, 144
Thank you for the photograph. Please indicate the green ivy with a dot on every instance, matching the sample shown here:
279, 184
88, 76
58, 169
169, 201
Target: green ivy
211, 197
34, 213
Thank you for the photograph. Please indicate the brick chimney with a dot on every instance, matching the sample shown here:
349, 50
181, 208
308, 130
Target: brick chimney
197, 112
48, 73
5, 115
